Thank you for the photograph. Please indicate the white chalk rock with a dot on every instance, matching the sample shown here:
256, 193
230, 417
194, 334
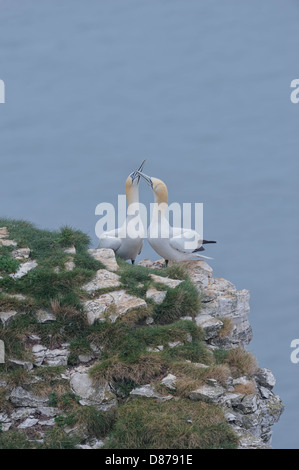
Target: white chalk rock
105, 256
117, 302
103, 279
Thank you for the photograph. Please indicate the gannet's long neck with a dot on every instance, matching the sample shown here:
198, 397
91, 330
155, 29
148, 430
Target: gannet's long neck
132, 195
161, 202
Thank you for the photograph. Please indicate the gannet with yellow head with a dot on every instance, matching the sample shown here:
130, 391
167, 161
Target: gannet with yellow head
172, 243
119, 240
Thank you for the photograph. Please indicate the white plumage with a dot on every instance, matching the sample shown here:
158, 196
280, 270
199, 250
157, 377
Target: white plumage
172, 243
122, 241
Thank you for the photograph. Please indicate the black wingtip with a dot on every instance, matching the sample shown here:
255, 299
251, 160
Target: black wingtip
204, 242
201, 248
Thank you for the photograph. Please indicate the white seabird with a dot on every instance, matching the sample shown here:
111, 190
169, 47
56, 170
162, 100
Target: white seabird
172, 243
119, 240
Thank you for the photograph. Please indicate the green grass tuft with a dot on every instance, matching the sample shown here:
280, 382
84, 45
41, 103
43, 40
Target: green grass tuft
45, 284
13, 439
8, 265
125, 356
57, 438
146, 424
179, 302
135, 279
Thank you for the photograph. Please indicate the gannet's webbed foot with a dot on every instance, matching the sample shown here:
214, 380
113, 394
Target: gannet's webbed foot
166, 263
132, 261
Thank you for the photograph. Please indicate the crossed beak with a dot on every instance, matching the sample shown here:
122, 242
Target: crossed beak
146, 178
135, 175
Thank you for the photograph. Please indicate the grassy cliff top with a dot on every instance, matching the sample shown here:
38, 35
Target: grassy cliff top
138, 349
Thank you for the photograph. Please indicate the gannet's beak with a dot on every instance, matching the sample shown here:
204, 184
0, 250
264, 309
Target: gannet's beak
146, 178
135, 175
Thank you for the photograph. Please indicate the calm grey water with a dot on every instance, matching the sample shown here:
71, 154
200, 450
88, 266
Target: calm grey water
199, 88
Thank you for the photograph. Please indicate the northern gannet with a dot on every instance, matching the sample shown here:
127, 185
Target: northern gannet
119, 240
172, 243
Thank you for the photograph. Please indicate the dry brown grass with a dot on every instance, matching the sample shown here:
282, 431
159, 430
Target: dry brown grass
63, 311
136, 317
184, 368
218, 372
190, 377
185, 385
241, 362
55, 306
227, 327
17, 376
245, 389
43, 389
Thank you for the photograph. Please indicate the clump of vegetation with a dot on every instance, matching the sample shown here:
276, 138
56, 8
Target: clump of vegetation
143, 370
190, 376
78, 346
13, 439
241, 362
16, 376
135, 279
8, 265
220, 355
226, 327
49, 280
69, 322
87, 420
92, 422
129, 343
57, 438
179, 302
5, 405
14, 336
44, 285
245, 389
175, 271
145, 424
128, 352
64, 401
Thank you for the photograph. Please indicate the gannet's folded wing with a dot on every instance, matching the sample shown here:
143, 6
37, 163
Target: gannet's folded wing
141, 247
109, 241
187, 242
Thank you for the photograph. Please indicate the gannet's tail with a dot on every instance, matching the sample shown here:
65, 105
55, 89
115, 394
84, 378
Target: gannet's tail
201, 256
